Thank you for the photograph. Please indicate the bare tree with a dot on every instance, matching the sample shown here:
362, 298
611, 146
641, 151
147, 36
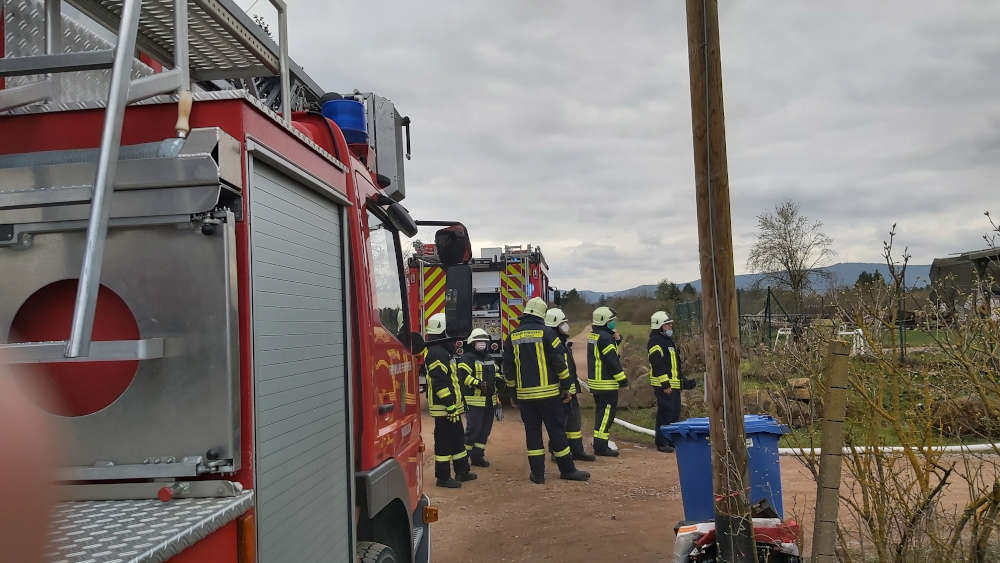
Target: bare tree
790, 250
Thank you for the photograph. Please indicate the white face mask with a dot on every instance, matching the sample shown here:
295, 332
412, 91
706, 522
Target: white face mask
564, 328
668, 332
480, 346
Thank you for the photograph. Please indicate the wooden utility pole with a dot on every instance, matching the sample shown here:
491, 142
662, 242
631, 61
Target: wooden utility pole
733, 523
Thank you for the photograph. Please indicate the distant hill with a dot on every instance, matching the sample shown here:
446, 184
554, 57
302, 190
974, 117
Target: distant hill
844, 273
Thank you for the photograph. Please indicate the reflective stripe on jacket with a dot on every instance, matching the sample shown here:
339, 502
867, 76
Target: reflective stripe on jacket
533, 360
664, 363
472, 372
570, 362
604, 367
443, 390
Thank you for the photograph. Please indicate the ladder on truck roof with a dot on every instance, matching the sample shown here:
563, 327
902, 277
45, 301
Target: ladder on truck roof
205, 40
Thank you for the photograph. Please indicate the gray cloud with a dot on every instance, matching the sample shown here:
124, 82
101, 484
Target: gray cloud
567, 124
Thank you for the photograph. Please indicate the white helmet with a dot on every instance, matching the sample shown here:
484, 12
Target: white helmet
536, 306
436, 324
604, 315
659, 319
477, 334
554, 317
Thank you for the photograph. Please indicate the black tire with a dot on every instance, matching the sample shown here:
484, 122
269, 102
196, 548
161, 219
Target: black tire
371, 552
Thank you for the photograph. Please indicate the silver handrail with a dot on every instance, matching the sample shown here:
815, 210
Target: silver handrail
286, 95
107, 164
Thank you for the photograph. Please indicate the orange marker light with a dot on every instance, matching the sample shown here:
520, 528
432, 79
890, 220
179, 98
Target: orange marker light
247, 537
430, 514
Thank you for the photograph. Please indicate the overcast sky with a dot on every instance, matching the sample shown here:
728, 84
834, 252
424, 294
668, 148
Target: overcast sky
567, 124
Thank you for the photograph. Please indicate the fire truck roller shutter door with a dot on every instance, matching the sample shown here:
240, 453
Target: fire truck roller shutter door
304, 506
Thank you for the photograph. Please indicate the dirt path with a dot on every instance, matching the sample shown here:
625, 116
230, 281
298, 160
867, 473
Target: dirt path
627, 510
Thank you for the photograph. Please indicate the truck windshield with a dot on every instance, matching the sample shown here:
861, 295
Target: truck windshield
386, 278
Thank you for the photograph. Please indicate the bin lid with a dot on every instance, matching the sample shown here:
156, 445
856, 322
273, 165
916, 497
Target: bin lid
753, 424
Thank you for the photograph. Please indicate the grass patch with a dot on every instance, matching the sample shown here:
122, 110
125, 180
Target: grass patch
637, 334
918, 337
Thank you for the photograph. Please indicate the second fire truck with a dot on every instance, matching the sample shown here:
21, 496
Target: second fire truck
503, 279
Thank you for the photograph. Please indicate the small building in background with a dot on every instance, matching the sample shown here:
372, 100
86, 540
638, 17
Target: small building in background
968, 279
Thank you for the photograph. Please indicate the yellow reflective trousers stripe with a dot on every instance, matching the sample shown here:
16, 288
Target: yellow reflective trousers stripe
562, 453
536, 452
602, 431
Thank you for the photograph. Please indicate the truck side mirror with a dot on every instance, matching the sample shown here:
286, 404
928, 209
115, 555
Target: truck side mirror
557, 297
401, 219
458, 300
453, 246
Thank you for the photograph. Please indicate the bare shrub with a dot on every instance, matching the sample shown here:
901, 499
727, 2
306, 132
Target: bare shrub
892, 499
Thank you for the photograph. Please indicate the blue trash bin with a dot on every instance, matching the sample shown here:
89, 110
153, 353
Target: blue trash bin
694, 461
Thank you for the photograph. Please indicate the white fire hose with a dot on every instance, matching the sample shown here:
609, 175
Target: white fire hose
962, 448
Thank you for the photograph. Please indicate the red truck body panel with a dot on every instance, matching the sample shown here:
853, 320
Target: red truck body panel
378, 358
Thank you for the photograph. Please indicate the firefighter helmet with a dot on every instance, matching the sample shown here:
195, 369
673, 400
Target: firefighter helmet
436, 324
536, 307
554, 317
477, 334
659, 319
604, 315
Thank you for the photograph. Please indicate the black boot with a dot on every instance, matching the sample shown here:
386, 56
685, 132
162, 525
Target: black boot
601, 448
480, 462
665, 449
449, 483
575, 475
462, 472
579, 454
568, 470
537, 465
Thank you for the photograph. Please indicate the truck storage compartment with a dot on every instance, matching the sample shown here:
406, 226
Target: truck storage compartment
160, 397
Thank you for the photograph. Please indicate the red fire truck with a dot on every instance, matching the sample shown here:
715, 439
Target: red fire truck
209, 282
503, 279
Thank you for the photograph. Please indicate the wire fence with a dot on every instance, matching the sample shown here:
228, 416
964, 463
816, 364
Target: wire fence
764, 320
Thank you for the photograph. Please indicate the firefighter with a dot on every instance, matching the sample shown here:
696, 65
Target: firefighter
534, 365
444, 400
664, 375
477, 373
556, 320
605, 376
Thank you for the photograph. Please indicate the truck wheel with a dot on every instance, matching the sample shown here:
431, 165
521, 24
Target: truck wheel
372, 552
